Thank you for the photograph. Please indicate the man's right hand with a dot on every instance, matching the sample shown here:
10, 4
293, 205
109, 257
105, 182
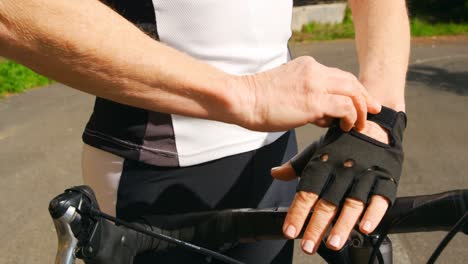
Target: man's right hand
303, 91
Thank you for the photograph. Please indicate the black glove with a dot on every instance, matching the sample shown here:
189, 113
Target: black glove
353, 164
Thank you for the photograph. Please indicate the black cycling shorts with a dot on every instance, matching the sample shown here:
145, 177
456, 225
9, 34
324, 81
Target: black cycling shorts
239, 181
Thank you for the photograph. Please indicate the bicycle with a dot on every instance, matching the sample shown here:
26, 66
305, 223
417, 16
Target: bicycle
84, 232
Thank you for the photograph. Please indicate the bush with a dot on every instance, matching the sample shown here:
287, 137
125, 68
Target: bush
439, 10
314, 2
429, 10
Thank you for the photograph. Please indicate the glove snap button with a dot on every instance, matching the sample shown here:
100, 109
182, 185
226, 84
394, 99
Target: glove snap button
324, 157
349, 163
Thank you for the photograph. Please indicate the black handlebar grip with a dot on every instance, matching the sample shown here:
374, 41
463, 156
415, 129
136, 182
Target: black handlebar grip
241, 225
437, 212
117, 247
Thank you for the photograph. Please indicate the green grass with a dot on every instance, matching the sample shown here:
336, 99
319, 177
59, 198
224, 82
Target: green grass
328, 31
319, 31
422, 28
15, 78
419, 27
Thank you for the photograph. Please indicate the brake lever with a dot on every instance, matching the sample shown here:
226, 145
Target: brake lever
67, 241
74, 231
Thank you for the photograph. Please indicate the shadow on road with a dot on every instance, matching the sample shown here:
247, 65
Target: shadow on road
439, 78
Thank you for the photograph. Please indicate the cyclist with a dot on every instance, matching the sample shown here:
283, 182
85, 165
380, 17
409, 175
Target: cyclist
196, 120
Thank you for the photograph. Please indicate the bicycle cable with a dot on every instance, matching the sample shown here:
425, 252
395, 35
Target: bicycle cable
459, 225
384, 234
376, 247
169, 239
376, 251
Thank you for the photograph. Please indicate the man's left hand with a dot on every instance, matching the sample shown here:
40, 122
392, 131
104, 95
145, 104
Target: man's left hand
325, 212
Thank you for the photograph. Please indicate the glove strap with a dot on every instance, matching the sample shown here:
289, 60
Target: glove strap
387, 118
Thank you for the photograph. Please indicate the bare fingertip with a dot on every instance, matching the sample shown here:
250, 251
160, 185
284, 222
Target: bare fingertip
366, 227
345, 127
308, 246
335, 241
290, 232
360, 126
275, 171
376, 108
342, 125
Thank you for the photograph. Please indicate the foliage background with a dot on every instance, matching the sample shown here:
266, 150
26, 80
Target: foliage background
429, 10
455, 11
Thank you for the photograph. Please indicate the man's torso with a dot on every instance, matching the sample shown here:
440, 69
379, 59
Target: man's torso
236, 36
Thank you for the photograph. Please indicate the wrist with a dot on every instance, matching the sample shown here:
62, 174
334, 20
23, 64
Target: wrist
387, 93
242, 100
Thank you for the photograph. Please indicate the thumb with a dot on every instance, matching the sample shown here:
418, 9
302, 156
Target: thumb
284, 172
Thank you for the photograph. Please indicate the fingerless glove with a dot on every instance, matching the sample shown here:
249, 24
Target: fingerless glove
351, 164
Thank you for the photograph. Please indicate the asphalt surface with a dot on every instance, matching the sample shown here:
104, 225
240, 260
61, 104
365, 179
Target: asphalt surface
40, 148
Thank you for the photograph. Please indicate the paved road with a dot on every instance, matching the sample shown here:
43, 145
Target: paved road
436, 141
40, 148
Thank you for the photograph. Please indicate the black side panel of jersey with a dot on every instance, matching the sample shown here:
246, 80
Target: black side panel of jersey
118, 128
140, 13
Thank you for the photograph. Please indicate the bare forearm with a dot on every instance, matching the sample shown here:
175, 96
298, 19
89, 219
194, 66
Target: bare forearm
383, 44
89, 47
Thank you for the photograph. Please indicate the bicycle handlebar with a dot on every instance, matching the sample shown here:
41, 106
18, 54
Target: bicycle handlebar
438, 212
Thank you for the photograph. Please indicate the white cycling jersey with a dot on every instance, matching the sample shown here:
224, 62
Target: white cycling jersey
236, 36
